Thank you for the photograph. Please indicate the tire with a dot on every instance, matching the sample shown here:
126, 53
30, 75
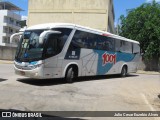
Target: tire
124, 71
70, 75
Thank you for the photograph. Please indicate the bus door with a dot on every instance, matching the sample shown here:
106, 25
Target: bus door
51, 51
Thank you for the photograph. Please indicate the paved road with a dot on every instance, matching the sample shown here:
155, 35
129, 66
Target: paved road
137, 92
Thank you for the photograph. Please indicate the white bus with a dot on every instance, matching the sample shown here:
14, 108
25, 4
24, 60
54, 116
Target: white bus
69, 51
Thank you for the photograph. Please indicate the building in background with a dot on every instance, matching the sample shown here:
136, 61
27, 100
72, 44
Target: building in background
9, 24
98, 14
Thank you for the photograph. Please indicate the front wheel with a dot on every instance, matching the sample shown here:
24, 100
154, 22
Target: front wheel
70, 75
124, 71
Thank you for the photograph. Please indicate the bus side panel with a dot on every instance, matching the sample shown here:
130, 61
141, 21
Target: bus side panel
67, 62
134, 63
86, 60
99, 62
93, 62
111, 62
89, 62
106, 60
52, 68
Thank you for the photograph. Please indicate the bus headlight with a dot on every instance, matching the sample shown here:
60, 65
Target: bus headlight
35, 66
38, 65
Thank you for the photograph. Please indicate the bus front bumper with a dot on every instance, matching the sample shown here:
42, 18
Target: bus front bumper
36, 73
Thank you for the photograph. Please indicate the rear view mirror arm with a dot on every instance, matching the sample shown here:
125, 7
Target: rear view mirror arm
16, 34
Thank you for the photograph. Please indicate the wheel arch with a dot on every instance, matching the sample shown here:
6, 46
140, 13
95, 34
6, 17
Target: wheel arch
124, 65
72, 64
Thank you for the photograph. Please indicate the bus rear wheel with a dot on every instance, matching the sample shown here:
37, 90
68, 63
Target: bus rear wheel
124, 71
70, 75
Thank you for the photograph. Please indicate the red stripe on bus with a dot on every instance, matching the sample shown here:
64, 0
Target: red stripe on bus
106, 35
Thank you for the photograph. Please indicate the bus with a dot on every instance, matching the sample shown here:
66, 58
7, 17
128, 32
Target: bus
63, 50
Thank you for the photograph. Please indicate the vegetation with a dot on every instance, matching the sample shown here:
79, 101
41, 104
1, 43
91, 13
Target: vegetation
23, 23
143, 24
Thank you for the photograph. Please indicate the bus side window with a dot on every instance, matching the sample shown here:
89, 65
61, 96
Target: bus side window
92, 41
112, 44
136, 48
122, 46
83, 40
128, 47
117, 45
107, 43
50, 47
99, 44
65, 32
55, 42
53, 47
76, 42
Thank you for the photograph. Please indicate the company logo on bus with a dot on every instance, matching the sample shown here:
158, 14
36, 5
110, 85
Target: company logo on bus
108, 58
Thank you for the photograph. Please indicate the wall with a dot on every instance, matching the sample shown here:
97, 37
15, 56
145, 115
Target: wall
7, 53
91, 13
111, 17
149, 65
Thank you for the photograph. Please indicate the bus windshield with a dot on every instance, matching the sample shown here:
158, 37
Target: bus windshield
29, 48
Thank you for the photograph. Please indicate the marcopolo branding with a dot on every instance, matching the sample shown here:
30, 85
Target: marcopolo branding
108, 58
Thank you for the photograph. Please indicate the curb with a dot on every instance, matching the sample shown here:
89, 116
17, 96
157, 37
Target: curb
148, 72
6, 62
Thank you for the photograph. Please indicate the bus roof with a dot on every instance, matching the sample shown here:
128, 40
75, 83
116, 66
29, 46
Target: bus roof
87, 29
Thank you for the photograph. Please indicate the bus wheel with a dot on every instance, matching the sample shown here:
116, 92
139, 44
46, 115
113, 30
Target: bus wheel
70, 75
124, 71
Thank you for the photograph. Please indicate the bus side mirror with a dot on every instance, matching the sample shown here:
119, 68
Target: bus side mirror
45, 34
16, 36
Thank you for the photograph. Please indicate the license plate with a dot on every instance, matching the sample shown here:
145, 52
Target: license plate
22, 73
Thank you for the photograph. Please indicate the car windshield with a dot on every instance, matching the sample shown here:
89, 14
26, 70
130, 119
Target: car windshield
29, 48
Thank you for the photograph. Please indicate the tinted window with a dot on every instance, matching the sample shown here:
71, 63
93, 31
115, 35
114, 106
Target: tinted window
55, 42
106, 43
83, 39
117, 45
92, 41
125, 46
136, 48
122, 46
29, 48
65, 32
128, 47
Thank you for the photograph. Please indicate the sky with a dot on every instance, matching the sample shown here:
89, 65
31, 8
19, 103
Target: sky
120, 6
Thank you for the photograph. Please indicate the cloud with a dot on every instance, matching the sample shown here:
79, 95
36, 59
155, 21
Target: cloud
24, 18
148, 1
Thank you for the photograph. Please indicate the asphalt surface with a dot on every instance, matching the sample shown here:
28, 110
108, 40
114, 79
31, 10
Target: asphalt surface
136, 92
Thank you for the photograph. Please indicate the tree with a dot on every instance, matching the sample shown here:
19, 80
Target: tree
143, 24
23, 23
